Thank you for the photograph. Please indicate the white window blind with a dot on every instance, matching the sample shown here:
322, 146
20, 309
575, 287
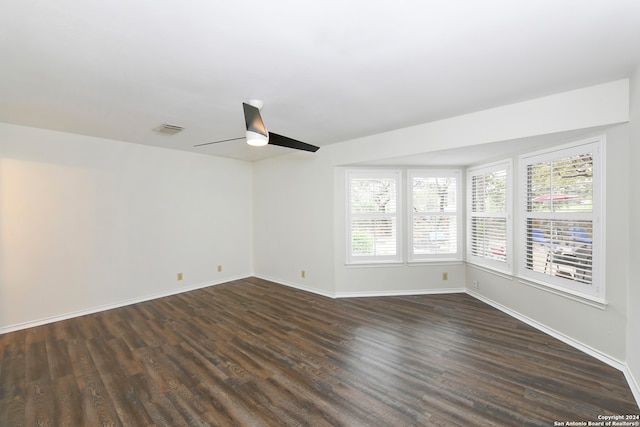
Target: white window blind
489, 216
561, 214
434, 223
374, 216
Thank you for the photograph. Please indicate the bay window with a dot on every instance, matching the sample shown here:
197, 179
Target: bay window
561, 217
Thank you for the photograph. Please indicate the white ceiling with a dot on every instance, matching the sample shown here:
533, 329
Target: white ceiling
327, 71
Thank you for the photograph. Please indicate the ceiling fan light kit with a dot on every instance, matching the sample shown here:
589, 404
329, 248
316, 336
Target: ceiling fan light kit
257, 134
256, 140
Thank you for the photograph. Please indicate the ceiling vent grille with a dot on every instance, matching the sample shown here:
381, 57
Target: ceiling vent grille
165, 129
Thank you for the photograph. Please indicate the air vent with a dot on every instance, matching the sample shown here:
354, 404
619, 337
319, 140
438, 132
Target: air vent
165, 129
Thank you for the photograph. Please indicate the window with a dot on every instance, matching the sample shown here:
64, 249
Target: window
374, 216
561, 216
434, 219
489, 216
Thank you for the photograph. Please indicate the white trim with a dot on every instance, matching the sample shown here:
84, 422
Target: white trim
297, 286
457, 214
394, 293
564, 292
633, 384
397, 175
615, 363
497, 165
435, 262
362, 294
119, 304
611, 361
568, 149
596, 290
544, 286
507, 165
500, 273
374, 264
422, 263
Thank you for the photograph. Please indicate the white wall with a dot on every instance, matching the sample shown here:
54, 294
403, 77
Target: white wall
293, 198
278, 187
633, 326
87, 223
602, 330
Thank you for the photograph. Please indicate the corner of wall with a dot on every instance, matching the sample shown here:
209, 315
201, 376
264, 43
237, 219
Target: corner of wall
633, 280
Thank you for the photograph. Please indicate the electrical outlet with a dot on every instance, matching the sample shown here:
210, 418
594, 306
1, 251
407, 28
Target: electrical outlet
219, 268
445, 276
302, 274
475, 284
179, 276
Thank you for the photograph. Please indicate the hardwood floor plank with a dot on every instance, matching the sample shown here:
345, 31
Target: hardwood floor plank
58, 359
67, 399
215, 393
254, 353
97, 407
116, 379
39, 404
13, 388
155, 402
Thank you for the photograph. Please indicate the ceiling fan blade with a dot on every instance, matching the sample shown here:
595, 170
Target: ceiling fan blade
254, 123
253, 120
215, 142
283, 141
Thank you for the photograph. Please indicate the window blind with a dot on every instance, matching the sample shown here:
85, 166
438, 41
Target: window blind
560, 209
489, 218
373, 216
434, 220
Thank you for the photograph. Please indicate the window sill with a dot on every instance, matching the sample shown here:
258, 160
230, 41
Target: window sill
426, 263
374, 264
421, 263
566, 293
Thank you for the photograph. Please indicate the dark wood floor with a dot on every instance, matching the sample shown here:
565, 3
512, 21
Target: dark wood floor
254, 353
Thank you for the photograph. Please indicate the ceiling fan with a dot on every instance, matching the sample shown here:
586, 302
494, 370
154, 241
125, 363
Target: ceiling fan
257, 134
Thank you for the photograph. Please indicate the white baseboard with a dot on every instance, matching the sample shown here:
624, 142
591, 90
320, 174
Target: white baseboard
611, 361
97, 309
397, 293
296, 286
633, 384
361, 294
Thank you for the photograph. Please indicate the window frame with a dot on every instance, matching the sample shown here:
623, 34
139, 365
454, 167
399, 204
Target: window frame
373, 174
438, 173
596, 289
481, 170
